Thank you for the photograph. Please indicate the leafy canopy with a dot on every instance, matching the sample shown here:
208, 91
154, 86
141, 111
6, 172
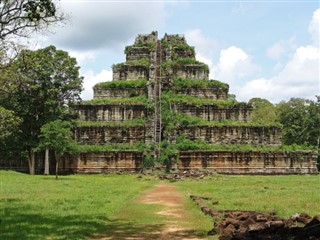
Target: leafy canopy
57, 136
44, 85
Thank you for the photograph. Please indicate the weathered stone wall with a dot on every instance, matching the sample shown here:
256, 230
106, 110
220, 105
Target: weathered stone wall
230, 162
118, 92
99, 162
174, 38
253, 162
209, 93
191, 71
16, 164
270, 136
145, 38
110, 134
213, 112
137, 53
20, 164
183, 53
130, 72
111, 112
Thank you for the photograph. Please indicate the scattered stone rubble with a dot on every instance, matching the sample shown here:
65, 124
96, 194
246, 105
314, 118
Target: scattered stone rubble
252, 225
180, 175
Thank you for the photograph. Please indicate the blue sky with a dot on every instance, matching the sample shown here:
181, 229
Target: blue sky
267, 49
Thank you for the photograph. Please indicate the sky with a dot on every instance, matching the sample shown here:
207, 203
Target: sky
267, 49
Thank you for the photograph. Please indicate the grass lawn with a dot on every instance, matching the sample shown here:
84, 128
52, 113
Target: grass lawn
286, 195
96, 206
73, 207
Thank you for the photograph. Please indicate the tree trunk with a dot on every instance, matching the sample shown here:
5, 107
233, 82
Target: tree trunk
31, 162
57, 164
46, 162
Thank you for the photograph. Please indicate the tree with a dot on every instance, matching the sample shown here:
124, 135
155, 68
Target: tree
264, 112
313, 123
44, 87
8, 123
301, 121
57, 136
21, 18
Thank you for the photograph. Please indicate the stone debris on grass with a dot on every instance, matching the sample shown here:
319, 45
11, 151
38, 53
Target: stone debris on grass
252, 225
180, 175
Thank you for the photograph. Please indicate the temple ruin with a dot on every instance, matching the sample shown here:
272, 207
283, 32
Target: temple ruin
159, 103
162, 110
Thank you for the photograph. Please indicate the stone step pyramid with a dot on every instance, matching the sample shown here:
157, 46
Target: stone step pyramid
161, 109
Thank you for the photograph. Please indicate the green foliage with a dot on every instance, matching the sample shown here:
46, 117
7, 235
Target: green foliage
44, 85
118, 65
264, 112
119, 84
8, 123
180, 98
166, 65
169, 154
180, 84
126, 123
301, 120
150, 45
185, 144
231, 97
178, 45
37, 10
148, 152
132, 100
186, 120
57, 136
140, 62
185, 61
144, 62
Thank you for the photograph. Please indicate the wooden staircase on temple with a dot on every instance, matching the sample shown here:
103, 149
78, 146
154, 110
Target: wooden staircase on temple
157, 100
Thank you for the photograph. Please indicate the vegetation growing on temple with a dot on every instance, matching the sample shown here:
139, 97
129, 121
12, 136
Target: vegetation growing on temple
139, 83
132, 100
179, 84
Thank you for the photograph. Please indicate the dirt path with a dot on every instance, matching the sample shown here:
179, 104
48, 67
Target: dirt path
174, 226
176, 216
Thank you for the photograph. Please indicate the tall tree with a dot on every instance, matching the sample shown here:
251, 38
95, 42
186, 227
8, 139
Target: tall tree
18, 20
313, 123
45, 86
57, 136
301, 121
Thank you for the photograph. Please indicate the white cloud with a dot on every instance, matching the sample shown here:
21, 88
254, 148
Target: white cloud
298, 78
82, 56
281, 48
314, 27
206, 48
91, 79
96, 25
234, 63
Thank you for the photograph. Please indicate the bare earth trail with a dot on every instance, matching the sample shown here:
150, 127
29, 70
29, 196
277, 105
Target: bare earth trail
174, 226
177, 217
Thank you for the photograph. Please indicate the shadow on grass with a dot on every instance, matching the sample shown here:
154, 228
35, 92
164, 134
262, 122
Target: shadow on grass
17, 224
144, 232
